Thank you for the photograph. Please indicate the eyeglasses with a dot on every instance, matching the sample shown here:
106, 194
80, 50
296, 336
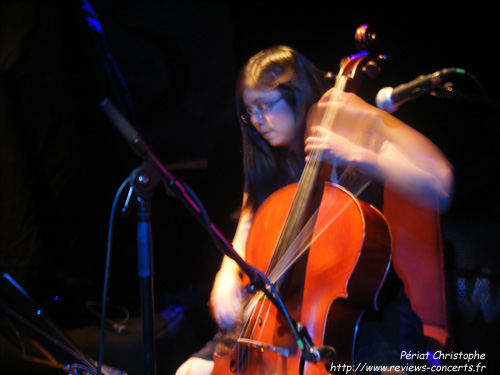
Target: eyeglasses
261, 109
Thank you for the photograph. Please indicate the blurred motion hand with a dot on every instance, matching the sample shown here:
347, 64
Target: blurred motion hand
227, 297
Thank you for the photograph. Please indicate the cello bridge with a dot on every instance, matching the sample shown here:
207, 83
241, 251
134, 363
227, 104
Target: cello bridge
252, 344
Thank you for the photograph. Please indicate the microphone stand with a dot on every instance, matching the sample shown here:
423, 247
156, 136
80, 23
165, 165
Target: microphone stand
146, 271
144, 180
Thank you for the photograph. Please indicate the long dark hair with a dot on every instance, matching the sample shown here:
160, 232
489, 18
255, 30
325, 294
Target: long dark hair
268, 168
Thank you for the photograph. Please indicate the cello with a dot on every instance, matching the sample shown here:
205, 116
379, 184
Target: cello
327, 253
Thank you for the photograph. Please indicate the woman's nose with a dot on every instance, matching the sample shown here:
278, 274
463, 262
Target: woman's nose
257, 119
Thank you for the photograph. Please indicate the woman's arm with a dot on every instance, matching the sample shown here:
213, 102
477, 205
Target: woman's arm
404, 158
227, 292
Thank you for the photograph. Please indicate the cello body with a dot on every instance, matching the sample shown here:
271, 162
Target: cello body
345, 257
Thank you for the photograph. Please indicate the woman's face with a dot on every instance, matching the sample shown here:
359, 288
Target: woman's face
272, 116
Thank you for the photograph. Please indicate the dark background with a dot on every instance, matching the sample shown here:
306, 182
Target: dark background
171, 67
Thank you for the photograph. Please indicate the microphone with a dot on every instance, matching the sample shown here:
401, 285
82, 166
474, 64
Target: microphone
133, 137
389, 99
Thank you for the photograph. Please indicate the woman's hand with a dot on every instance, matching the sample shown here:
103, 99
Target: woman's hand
227, 297
332, 147
227, 293
342, 127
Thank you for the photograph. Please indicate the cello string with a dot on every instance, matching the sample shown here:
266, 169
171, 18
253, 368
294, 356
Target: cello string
240, 347
349, 179
309, 234
307, 180
250, 313
296, 249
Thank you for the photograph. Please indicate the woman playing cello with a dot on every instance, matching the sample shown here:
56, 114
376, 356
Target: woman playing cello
281, 100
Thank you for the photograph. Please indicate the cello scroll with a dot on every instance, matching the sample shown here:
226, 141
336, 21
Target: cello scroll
367, 59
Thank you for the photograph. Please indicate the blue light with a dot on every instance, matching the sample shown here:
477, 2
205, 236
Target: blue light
39, 312
433, 361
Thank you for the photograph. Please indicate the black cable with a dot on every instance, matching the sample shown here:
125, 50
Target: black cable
106, 275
